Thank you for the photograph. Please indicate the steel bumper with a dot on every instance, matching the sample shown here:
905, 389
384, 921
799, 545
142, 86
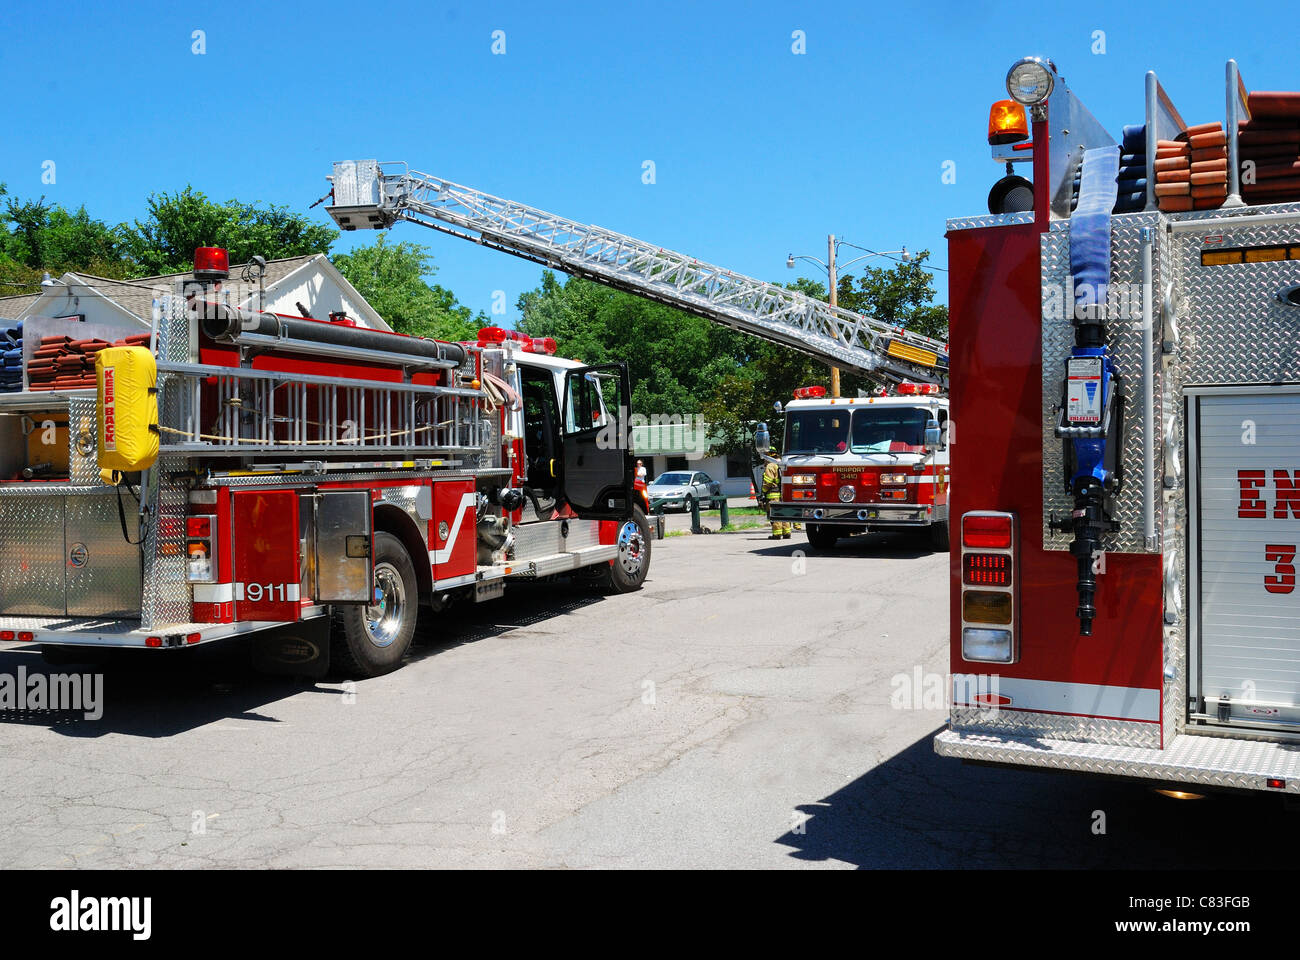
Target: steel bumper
1196, 759
853, 514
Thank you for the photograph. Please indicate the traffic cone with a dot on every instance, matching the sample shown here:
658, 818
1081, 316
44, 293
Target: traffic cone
752, 494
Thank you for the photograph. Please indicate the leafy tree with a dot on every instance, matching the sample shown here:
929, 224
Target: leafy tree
902, 294
673, 357
38, 236
392, 279
176, 223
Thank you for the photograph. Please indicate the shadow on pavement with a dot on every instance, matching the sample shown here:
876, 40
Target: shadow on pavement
896, 546
920, 810
161, 693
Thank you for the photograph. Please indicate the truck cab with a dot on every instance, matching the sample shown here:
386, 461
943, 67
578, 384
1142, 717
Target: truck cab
866, 463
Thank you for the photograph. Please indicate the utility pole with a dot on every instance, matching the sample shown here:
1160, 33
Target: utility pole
834, 302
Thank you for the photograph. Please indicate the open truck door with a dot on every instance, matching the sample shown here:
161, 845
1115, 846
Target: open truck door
598, 466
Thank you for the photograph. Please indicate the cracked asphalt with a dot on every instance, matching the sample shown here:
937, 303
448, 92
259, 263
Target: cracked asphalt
734, 713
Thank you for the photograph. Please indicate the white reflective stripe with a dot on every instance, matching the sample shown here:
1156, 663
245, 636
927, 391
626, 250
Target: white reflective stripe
1050, 696
216, 592
239, 591
292, 590
467, 501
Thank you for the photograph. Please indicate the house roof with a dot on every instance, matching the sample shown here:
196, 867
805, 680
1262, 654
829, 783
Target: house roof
135, 296
276, 270
12, 307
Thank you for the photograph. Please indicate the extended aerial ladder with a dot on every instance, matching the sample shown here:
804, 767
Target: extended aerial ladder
371, 195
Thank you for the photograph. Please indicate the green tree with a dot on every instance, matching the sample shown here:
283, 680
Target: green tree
673, 357
176, 223
392, 279
37, 236
901, 294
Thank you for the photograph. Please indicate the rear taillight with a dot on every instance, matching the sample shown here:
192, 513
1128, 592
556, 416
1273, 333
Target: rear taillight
988, 587
987, 530
7, 635
200, 549
26, 636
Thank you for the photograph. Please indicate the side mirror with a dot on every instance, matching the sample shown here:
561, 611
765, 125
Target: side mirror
777, 406
933, 435
762, 439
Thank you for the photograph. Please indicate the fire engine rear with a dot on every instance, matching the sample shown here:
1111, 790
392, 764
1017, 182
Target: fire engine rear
309, 483
1123, 335
868, 463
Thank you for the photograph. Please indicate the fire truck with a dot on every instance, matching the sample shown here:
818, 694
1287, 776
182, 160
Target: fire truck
895, 437
868, 463
1123, 328
308, 483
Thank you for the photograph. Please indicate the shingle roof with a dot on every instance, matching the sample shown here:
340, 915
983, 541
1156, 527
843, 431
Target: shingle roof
11, 307
136, 295
276, 270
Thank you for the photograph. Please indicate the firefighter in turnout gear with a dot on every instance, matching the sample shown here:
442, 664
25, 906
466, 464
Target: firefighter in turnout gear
772, 491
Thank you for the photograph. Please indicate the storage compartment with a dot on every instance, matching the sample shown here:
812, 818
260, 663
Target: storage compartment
34, 441
65, 555
1244, 492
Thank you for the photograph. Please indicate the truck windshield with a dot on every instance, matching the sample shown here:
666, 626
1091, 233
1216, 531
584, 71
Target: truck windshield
889, 429
817, 431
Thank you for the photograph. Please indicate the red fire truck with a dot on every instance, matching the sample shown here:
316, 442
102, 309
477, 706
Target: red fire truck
1123, 331
312, 484
866, 463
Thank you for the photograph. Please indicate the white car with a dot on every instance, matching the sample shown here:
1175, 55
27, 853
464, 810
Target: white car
682, 488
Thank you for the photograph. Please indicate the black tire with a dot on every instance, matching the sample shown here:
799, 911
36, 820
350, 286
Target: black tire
629, 569
368, 641
687, 503
820, 537
939, 536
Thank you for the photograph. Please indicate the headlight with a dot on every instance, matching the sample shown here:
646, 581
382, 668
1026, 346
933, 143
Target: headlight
847, 493
1029, 81
803, 479
892, 478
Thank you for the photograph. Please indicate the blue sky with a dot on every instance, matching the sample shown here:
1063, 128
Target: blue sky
758, 151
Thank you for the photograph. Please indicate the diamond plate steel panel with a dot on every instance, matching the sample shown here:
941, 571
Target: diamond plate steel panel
83, 432
1206, 760
1125, 335
1058, 726
990, 220
166, 593
31, 556
1174, 535
102, 577
1233, 329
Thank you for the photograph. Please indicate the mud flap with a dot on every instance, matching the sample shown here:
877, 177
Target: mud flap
297, 649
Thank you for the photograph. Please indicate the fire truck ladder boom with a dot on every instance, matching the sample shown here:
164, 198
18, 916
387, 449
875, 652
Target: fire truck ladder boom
372, 195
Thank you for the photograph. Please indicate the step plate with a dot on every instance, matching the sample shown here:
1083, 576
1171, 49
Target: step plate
1211, 761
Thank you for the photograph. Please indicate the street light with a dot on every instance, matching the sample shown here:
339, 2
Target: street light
832, 274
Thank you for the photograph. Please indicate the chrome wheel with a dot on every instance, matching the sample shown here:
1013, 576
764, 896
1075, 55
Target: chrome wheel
384, 617
631, 548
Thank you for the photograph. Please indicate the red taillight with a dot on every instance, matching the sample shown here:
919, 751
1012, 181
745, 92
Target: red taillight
986, 569
1276, 784
828, 479
492, 335
986, 531
7, 635
26, 636
153, 641
211, 263
193, 637
198, 526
